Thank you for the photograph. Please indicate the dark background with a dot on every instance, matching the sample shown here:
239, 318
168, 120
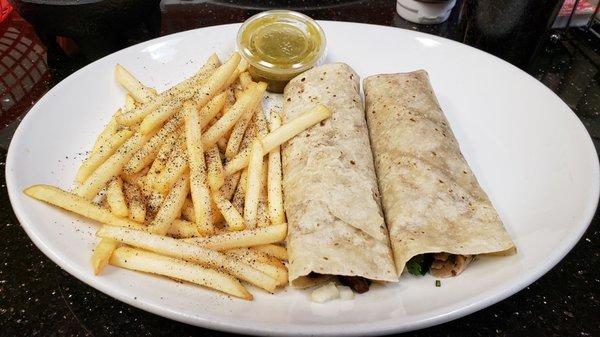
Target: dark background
39, 298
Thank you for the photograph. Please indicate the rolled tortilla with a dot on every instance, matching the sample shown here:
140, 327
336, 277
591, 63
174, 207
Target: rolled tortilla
431, 198
331, 199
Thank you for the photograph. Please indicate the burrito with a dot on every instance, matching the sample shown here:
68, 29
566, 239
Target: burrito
331, 198
431, 199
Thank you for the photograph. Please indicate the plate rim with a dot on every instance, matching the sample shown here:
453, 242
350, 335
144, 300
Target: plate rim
479, 302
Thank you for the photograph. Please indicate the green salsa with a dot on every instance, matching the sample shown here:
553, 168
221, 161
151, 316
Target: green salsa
279, 45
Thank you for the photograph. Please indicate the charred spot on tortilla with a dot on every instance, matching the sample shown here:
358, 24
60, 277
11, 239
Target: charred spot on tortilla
357, 283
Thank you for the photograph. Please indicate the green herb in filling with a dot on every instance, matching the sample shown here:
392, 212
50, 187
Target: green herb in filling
419, 265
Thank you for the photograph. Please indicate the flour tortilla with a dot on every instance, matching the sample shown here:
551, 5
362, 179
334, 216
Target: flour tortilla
431, 198
331, 199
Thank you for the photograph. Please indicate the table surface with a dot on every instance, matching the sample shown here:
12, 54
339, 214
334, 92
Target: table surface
39, 298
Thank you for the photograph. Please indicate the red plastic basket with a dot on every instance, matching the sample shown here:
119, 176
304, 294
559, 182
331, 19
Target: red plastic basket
5, 9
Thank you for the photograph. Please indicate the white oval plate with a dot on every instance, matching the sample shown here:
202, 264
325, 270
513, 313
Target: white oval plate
527, 148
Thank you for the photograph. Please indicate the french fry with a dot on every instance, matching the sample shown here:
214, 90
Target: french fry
137, 179
242, 67
215, 175
237, 134
274, 178
233, 218
245, 80
228, 188
182, 229
161, 160
135, 200
262, 125
188, 212
222, 143
254, 187
262, 214
213, 85
174, 167
154, 200
139, 91
262, 262
189, 252
211, 109
116, 198
130, 102
76, 204
111, 167
102, 253
173, 94
275, 251
171, 207
107, 133
140, 260
198, 179
105, 150
280, 136
242, 239
248, 101
149, 151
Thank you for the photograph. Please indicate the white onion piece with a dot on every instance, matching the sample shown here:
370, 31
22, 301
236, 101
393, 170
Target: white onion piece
325, 293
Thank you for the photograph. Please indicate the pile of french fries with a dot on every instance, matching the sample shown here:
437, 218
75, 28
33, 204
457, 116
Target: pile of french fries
186, 183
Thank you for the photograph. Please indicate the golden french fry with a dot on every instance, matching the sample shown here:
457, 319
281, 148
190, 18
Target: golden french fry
262, 125
174, 167
222, 144
280, 136
109, 130
96, 158
111, 167
149, 151
172, 95
241, 239
161, 160
242, 67
270, 266
102, 253
274, 178
213, 85
188, 212
198, 179
139, 91
235, 221
137, 179
189, 252
248, 101
140, 260
262, 214
130, 102
76, 204
253, 185
171, 207
211, 109
135, 200
245, 79
275, 251
228, 188
154, 199
237, 134
116, 198
215, 175
182, 229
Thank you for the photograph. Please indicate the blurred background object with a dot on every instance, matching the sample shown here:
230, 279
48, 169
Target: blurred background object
426, 12
577, 13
